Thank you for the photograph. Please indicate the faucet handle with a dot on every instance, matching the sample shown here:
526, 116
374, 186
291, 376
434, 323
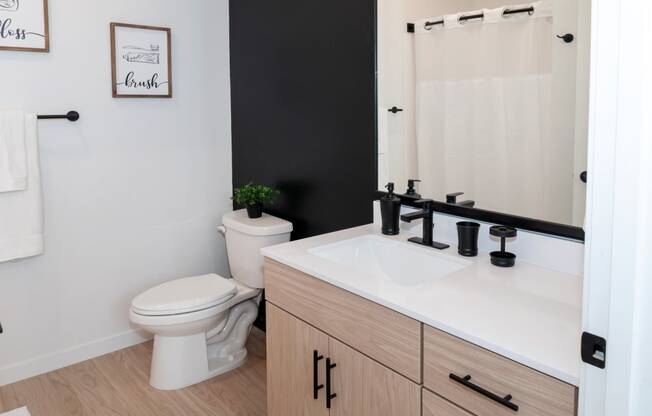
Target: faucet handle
452, 198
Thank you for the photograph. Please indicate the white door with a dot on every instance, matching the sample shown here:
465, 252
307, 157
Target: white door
618, 278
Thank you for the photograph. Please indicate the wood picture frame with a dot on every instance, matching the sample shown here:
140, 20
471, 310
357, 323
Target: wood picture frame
138, 71
23, 22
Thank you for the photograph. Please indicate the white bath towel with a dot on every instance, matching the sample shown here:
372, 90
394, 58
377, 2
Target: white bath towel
13, 160
21, 212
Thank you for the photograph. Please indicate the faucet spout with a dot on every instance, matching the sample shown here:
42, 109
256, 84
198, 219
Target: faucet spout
413, 216
427, 214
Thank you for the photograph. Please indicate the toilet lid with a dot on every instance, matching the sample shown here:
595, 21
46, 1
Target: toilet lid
184, 295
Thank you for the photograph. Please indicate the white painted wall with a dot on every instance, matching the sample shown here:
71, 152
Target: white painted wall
133, 191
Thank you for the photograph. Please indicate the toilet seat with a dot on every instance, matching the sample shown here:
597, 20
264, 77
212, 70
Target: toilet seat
182, 296
242, 293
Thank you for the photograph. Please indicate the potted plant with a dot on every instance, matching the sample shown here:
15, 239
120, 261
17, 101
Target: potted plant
253, 197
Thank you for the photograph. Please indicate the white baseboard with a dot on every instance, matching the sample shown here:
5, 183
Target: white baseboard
17, 412
56, 360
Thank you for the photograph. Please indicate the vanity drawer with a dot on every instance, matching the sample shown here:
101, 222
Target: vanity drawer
384, 335
534, 393
434, 405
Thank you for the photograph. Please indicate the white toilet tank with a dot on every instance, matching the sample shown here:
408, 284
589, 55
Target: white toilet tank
245, 237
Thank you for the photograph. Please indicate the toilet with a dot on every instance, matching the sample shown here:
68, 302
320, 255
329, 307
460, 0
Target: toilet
201, 323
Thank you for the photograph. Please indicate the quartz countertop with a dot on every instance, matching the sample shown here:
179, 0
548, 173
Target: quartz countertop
527, 313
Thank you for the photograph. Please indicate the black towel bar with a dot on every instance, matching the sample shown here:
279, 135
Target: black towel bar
71, 116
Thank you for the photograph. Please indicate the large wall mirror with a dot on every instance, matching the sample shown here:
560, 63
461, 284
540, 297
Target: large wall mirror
488, 99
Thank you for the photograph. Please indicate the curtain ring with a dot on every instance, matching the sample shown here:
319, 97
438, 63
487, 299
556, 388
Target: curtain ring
506, 11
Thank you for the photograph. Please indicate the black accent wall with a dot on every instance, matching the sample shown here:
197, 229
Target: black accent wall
303, 108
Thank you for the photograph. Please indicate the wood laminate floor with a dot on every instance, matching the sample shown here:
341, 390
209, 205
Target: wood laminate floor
117, 385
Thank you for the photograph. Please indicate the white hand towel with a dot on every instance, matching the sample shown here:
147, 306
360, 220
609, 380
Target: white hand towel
21, 213
13, 160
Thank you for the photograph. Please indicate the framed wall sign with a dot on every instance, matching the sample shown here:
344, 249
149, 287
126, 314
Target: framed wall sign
24, 25
141, 64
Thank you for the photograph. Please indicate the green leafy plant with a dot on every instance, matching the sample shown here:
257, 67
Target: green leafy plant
251, 194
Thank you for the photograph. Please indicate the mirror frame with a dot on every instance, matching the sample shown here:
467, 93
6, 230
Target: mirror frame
523, 223
530, 224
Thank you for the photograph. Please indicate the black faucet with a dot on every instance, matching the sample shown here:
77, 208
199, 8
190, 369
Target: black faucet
452, 199
426, 214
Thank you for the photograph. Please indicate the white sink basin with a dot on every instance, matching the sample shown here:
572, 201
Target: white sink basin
405, 264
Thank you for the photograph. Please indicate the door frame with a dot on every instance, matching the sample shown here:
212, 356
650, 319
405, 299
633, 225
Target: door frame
618, 221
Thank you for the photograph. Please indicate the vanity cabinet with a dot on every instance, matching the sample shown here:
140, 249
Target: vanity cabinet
488, 384
434, 405
386, 336
291, 345
304, 365
377, 362
366, 388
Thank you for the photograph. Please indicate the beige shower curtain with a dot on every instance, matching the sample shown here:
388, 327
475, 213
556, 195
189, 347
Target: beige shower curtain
484, 112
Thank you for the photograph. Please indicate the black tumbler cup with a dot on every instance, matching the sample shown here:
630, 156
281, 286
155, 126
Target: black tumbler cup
467, 234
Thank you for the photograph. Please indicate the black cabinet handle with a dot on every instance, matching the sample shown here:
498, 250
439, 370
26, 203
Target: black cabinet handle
329, 395
315, 374
395, 110
466, 381
584, 176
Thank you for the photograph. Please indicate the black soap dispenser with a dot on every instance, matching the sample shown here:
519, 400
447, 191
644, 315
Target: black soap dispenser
390, 211
410, 190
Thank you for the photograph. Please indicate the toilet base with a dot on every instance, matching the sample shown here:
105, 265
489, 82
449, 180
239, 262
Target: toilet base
165, 375
223, 365
181, 361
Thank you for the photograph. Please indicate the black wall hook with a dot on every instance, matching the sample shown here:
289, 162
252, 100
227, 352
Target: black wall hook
568, 37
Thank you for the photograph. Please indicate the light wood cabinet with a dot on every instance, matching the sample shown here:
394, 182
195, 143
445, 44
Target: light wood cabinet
434, 405
298, 357
385, 335
488, 384
366, 388
377, 362
291, 345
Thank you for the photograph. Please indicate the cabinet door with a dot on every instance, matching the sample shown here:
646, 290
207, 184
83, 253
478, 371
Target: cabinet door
434, 405
364, 387
291, 344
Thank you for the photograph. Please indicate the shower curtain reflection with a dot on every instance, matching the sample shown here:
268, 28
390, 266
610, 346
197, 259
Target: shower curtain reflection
483, 107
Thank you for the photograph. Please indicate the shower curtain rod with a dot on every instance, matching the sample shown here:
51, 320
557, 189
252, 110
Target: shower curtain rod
467, 17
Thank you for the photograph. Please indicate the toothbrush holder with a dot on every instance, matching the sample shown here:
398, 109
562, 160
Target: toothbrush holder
467, 238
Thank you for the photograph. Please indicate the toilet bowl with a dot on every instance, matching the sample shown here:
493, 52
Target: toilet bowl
201, 323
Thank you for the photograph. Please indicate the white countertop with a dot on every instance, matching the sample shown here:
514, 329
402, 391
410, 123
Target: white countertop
527, 313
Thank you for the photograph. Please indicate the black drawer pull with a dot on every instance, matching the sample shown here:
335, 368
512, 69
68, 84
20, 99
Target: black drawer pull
329, 396
315, 374
395, 110
466, 381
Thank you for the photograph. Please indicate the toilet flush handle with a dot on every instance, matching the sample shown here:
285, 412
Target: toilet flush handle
221, 229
